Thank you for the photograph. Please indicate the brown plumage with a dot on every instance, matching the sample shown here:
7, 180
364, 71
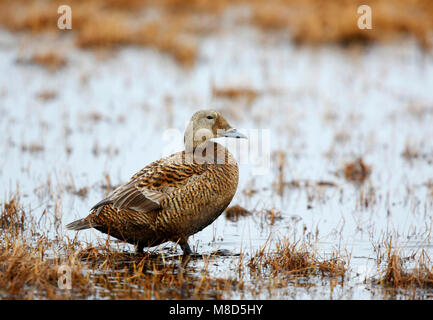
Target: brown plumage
174, 197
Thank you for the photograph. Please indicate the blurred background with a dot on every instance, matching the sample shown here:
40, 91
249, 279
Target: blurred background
349, 110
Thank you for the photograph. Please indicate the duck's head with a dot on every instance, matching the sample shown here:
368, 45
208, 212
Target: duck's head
208, 124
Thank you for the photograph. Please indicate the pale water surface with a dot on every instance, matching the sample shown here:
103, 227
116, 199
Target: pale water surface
321, 107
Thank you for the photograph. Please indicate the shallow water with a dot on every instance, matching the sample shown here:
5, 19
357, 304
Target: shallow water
115, 112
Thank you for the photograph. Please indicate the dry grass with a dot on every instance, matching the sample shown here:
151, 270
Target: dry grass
115, 30
272, 215
280, 159
414, 152
28, 271
82, 192
395, 274
174, 26
356, 171
12, 216
289, 259
32, 148
102, 24
321, 21
28, 266
50, 60
236, 93
410, 152
122, 275
429, 186
235, 212
30, 262
47, 95
151, 276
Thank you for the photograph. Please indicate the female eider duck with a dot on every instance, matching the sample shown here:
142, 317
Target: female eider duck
174, 197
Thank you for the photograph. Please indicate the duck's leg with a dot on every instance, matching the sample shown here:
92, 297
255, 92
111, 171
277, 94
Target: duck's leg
139, 247
185, 246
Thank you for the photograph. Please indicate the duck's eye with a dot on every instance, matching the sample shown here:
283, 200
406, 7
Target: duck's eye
209, 117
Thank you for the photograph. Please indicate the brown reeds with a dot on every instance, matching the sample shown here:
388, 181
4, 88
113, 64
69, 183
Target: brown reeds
32, 267
319, 22
233, 213
29, 268
47, 95
289, 259
280, 159
153, 276
12, 216
396, 275
50, 60
30, 272
32, 147
236, 93
357, 171
176, 26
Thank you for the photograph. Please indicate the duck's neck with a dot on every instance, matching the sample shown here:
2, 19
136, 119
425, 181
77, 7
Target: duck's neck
209, 152
192, 140
196, 146
190, 144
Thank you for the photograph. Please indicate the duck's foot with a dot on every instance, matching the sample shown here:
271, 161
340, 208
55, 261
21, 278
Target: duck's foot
188, 253
139, 248
185, 248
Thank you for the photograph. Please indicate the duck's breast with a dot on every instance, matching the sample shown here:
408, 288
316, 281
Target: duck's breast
198, 203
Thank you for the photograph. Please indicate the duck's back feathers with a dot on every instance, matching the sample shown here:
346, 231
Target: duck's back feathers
147, 188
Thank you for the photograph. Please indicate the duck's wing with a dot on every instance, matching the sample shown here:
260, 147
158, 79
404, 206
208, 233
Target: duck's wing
148, 187
133, 197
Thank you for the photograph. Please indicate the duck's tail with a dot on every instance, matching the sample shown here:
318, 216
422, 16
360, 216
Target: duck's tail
78, 225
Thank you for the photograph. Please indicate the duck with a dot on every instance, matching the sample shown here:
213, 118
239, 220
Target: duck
176, 196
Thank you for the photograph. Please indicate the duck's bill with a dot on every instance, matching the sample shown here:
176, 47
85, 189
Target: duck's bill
232, 133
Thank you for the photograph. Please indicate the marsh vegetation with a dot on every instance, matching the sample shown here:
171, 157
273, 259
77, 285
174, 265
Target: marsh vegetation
341, 207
